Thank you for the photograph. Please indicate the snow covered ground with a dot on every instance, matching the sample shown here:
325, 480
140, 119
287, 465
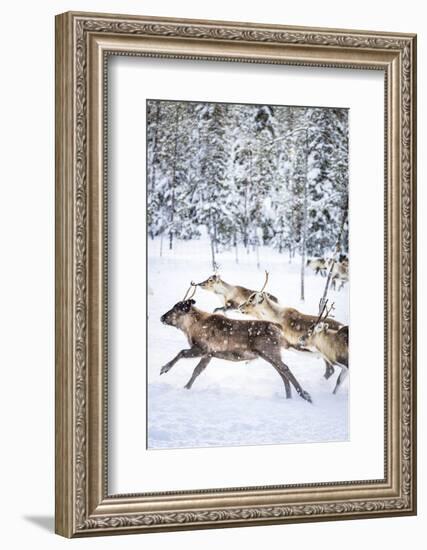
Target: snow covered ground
235, 403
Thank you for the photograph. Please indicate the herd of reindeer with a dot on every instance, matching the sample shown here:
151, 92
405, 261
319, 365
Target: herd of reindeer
214, 335
338, 269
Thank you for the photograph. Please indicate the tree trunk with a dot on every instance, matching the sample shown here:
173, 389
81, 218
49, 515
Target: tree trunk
213, 252
171, 239
246, 221
215, 235
302, 297
304, 221
174, 182
154, 158
336, 253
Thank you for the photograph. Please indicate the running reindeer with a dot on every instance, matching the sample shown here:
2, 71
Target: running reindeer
318, 265
332, 344
216, 336
339, 274
294, 324
231, 295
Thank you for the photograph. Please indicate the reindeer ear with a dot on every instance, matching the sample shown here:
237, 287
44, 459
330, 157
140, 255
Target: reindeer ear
188, 304
185, 306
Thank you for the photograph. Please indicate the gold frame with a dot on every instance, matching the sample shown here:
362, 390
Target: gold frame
83, 43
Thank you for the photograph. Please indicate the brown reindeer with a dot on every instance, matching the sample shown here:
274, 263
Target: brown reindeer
294, 324
318, 265
231, 295
332, 344
339, 275
339, 268
216, 336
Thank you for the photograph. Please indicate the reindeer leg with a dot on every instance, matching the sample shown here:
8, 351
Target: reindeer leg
228, 307
183, 354
283, 376
203, 363
285, 379
278, 364
223, 309
329, 371
342, 376
300, 391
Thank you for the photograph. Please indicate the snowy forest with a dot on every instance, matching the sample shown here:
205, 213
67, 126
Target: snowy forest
248, 176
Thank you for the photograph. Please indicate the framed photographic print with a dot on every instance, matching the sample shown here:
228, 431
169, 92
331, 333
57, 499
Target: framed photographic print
230, 198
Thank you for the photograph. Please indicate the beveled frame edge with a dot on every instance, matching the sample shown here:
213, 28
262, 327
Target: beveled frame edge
82, 506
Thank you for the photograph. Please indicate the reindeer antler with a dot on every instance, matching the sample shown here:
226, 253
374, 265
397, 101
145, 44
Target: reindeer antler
186, 296
324, 312
265, 282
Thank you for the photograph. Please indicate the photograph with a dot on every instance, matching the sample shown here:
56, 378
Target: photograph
247, 274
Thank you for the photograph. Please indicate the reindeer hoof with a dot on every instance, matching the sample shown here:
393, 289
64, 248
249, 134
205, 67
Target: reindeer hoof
305, 395
187, 387
164, 369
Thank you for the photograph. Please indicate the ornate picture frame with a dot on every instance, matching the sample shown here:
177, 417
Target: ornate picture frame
84, 42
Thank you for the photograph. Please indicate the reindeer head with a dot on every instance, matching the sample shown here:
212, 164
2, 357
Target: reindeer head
180, 309
254, 300
212, 283
319, 324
